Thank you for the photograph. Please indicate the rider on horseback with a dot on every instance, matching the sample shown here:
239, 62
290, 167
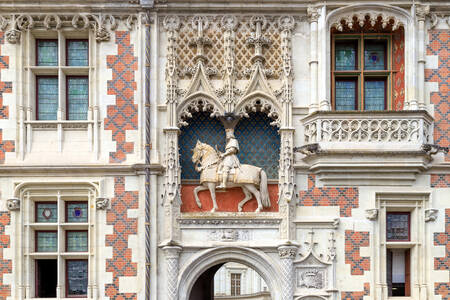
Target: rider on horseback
229, 157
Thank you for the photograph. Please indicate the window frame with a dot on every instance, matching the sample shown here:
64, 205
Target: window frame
36, 62
37, 95
233, 291
360, 72
66, 274
36, 211
66, 241
409, 224
36, 232
67, 51
36, 277
67, 94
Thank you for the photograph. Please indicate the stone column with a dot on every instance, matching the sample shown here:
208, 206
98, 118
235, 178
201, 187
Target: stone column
172, 254
313, 14
421, 12
287, 255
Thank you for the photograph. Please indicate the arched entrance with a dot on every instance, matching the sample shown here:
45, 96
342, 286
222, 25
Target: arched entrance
201, 269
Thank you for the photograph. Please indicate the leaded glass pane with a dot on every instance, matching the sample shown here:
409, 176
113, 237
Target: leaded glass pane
78, 97
46, 212
77, 212
47, 54
47, 98
345, 54
77, 53
397, 226
77, 241
345, 94
47, 241
374, 55
77, 277
374, 94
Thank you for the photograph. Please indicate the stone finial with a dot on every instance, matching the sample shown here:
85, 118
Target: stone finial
101, 203
372, 214
13, 204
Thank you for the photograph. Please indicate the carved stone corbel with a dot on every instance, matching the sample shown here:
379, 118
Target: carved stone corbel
372, 214
13, 204
422, 12
101, 203
431, 214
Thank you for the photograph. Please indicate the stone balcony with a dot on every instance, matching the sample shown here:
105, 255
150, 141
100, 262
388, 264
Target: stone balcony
367, 148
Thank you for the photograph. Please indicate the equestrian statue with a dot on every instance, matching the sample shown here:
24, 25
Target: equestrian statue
223, 170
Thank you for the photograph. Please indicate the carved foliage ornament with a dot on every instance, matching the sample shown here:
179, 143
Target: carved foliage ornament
100, 23
362, 17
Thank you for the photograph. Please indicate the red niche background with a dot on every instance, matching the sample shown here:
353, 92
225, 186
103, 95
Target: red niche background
227, 201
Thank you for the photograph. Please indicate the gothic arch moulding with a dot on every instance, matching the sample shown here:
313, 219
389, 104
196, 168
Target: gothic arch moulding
260, 101
390, 15
206, 259
198, 102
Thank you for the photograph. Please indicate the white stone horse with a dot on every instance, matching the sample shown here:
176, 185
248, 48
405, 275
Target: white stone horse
251, 179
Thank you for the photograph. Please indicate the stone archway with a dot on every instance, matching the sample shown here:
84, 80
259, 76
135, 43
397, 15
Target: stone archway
267, 268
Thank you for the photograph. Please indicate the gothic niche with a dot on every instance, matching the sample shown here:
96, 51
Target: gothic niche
258, 153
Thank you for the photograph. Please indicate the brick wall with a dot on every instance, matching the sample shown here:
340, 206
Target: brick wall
5, 265
443, 263
5, 87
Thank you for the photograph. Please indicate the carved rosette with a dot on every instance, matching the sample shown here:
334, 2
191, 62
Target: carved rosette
287, 255
172, 255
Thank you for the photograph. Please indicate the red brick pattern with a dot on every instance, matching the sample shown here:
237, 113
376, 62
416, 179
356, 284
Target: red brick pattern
344, 197
440, 180
5, 265
439, 45
5, 87
120, 264
123, 115
356, 295
398, 64
443, 263
354, 240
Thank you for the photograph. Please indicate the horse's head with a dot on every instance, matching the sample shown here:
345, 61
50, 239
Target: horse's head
197, 152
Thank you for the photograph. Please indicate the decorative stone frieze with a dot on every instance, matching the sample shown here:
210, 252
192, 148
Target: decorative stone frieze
366, 16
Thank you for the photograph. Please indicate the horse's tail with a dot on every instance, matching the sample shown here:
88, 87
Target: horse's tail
263, 190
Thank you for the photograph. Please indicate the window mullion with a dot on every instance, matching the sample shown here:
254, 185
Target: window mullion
361, 77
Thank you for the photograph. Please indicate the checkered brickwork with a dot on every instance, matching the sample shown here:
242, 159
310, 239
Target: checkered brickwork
5, 87
443, 263
440, 180
439, 45
344, 197
120, 264
123, 115
5, 265
356, 295
354, 240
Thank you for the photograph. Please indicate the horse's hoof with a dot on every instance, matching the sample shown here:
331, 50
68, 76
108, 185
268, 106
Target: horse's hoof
199, 205
213, 210
258, 210
239, 208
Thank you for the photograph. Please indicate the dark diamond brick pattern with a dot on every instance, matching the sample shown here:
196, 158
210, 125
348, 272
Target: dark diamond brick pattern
205, 129
5, 87
443, 263
120, 264
356, 295
345, 197
5, 265
440, 45
440, 180
123, 116
354, 240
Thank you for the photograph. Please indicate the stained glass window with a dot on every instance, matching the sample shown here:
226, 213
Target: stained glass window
77, 241
346, 56
77, 97
397, 226
47, 52
77, 212
374, 55
374, 94
259, 143
47, 98
46, 212
205, 129
77, 277
345, 94
77, 52
46, 241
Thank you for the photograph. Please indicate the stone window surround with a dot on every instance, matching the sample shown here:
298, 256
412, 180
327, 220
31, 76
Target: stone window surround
27, 99
24, 259
416, 203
